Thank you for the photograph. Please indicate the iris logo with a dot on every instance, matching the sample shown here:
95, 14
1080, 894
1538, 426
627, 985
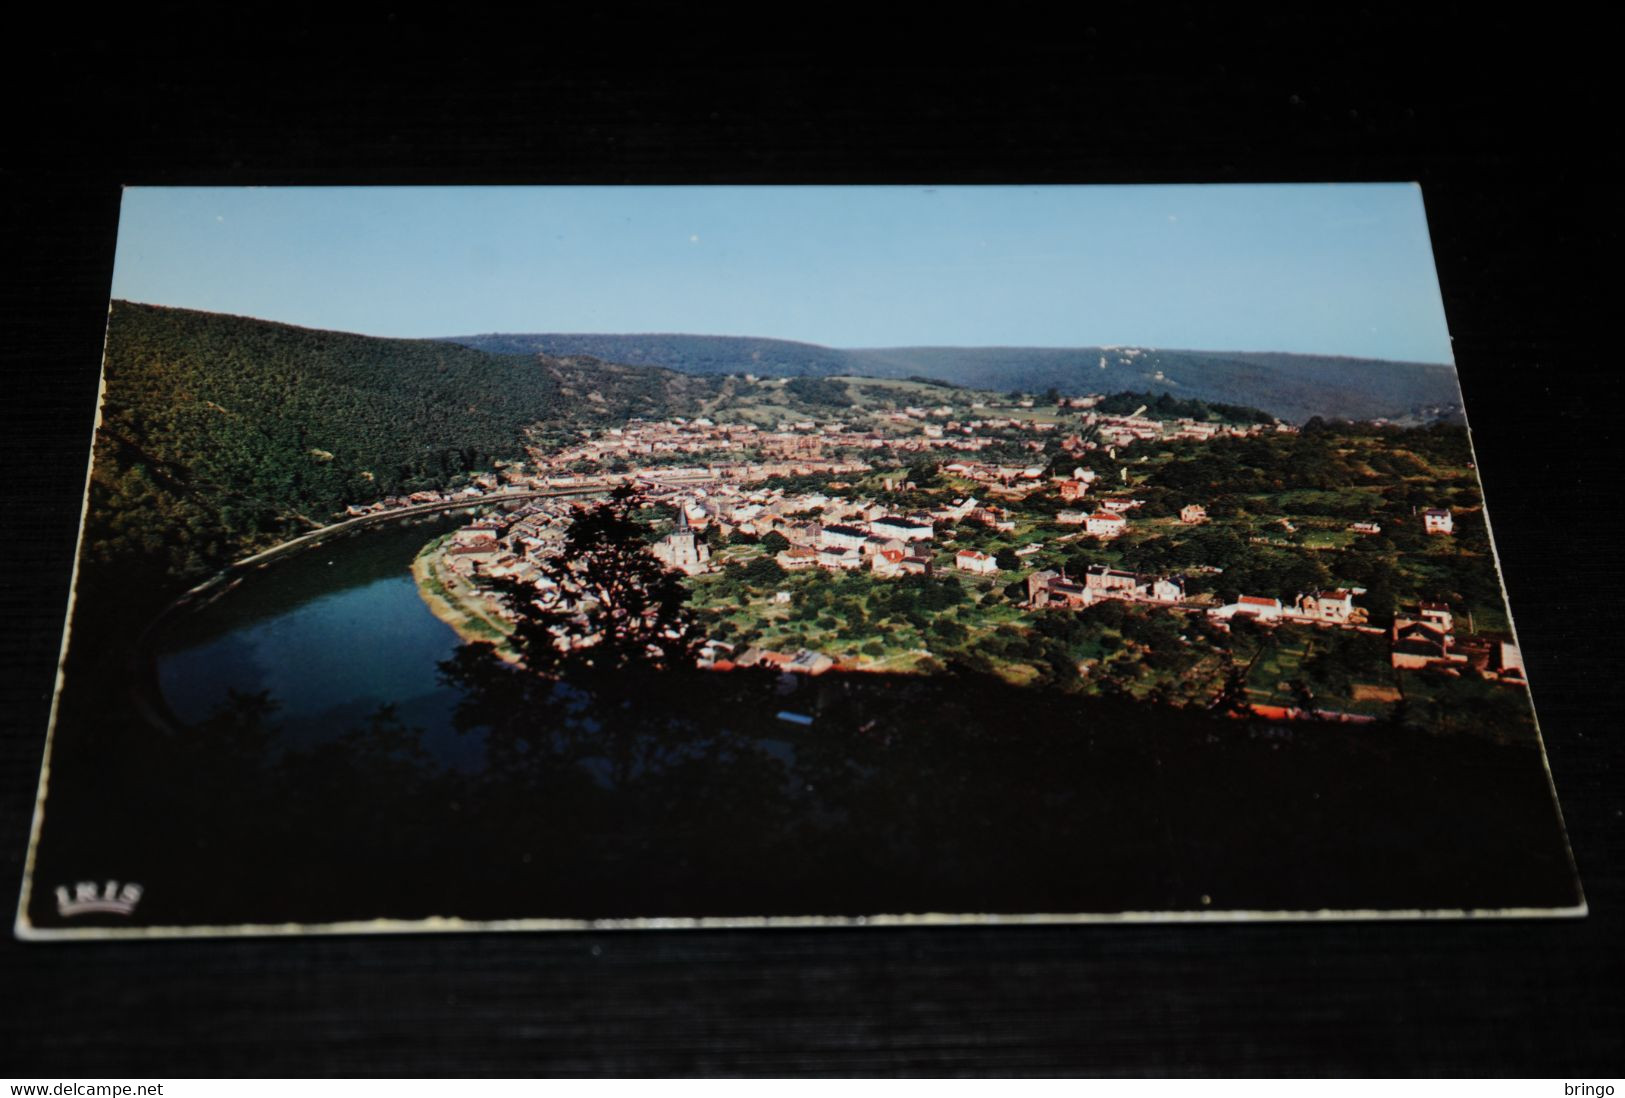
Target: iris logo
87, 897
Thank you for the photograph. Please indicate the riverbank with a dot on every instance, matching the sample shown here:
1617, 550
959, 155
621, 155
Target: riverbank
445, 596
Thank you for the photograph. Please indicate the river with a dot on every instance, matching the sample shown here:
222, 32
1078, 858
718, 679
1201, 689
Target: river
329, 635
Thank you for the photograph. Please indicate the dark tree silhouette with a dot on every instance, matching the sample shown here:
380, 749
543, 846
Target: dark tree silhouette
607, 653
614, 607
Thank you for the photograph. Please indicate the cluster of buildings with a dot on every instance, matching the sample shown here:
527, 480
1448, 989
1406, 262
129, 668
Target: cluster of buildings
743, 451
1101, 523
1122, 430
1022, 478
511, 544
481, 486
848, 536
1333, 607
709, 476
1047, 588
721, 656
657, 451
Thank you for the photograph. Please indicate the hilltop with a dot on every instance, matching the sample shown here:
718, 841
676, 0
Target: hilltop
1294, 387
689, 354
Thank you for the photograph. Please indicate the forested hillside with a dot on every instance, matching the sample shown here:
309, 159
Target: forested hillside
1291, 386
220, 434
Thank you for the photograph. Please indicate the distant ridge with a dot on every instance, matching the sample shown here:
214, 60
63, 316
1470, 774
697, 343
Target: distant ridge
1291, 386
689, 354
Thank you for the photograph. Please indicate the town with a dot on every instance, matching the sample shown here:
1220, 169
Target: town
1048, 542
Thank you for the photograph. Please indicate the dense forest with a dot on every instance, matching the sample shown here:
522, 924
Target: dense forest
1291, 386
820, 392
220, 434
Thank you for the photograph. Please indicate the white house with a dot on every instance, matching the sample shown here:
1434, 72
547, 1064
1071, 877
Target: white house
969, 560
904, 529
842, 537
837, 559
1336, 607
1251, 606
798, 556
1437, 615
1104, 524
1437, 520
1168, 589
1101, 577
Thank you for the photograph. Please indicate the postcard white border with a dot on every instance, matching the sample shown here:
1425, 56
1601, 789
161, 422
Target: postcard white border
24, 930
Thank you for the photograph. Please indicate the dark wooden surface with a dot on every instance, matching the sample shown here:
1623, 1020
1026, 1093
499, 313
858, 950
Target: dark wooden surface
1511, 129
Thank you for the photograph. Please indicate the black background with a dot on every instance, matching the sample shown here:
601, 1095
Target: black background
1510, 127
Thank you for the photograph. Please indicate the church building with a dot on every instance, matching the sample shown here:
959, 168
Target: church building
681, 550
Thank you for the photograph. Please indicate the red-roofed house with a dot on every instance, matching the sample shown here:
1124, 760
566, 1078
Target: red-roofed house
887, 562
1104, 524
1254, 606
969, 560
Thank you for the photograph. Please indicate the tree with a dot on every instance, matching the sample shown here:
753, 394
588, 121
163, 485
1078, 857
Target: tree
616, 607
763, 570
1232, 699
924, 473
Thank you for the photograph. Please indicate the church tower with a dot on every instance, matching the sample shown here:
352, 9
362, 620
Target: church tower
682, 538
681, 549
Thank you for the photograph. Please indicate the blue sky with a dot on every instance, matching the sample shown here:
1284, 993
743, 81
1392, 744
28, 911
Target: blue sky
1341, 269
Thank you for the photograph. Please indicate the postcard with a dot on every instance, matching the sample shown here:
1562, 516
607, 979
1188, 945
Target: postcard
637, 557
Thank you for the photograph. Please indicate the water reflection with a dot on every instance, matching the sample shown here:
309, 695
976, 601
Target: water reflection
329, 636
